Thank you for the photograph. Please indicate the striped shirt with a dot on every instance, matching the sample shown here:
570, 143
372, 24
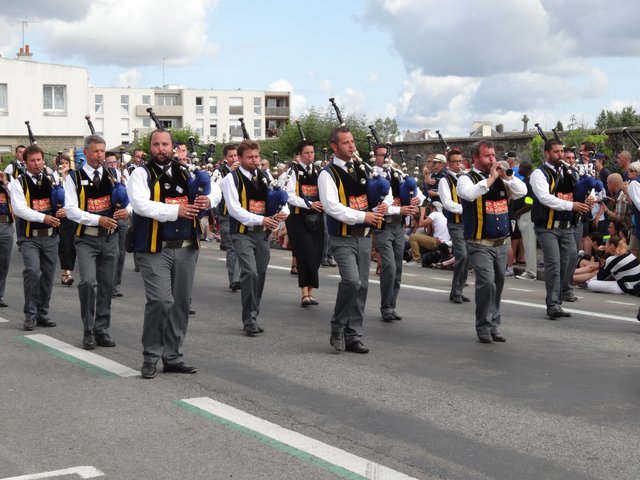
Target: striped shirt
624, 268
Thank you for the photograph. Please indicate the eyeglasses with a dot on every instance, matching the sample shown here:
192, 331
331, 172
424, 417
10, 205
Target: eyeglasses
456, 161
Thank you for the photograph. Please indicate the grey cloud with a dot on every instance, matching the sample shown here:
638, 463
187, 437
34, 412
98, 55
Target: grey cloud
43, 10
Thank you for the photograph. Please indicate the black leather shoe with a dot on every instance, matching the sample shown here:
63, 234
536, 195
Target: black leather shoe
148, 370
251, 330
235, 286
356, 347
556, 314
45, 322
104, 340
337, 341
192, 311
396, 316
497, 337
116, 293
465, 299
179, 368
485, 339
29, 324
388, 317
260, 327
457, 299
3, 304
569, 298
89, 340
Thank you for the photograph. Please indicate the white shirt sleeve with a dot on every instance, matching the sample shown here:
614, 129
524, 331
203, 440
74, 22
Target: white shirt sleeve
230, 194
216, 194
139, 196
634, 193
331, 201
294, 200
445, 197
20, 207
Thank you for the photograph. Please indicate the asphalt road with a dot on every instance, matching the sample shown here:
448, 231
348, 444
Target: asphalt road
558, 400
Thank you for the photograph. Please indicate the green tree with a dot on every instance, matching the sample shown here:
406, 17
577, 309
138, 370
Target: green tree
178, 134
386, 129
627, 117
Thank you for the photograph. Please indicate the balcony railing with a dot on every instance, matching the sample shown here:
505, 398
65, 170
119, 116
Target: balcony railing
234, 110
277, 112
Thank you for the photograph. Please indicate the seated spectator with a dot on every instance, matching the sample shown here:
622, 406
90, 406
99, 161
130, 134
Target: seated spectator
621, 271
430, 231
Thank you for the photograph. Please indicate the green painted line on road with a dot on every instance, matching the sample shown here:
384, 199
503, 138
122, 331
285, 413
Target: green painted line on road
283, 447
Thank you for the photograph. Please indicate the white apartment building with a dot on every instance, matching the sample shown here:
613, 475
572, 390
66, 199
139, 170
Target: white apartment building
56, 98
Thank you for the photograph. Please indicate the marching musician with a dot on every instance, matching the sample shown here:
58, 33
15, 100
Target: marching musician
230, 163
553, 214
342, 186
486, 192
17, 166
245, 193
305, 225
166, 245
112, 162
36, 227
88, 202
137, 159
390, 238
6, 233
452, 206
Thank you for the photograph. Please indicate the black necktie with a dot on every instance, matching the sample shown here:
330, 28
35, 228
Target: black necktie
96, 177
167, 170
350, 170
39, 179
254, 179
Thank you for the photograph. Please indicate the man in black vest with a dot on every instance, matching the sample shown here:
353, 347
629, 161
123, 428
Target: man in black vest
6, 233
448, 193
88, 203
554, 220
167, 241
36, 226
245, 193
390, 238
342, 186
17, 166
486, 192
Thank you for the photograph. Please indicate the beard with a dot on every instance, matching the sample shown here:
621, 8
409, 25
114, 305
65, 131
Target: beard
161, 159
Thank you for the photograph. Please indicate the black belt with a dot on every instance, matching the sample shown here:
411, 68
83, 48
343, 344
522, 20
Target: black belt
42, 232
359, 231
5, 219
98, 231
177, 243
393, 219
255, 228
489, 242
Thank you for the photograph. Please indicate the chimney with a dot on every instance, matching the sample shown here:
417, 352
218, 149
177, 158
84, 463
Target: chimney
500, 128
24, 53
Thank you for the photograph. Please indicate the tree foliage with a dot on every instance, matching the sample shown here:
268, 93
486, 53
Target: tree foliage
627, 117
386, 129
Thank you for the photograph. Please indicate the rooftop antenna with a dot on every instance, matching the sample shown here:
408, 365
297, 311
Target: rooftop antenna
24, 24
163, 84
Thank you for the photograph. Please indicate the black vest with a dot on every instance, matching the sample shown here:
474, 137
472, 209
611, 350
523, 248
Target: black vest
251, 199
95, 199
453, 188
38, 199
149, 233
306, 186
543, 216
222, 205
5, 204
351, 193
488, 215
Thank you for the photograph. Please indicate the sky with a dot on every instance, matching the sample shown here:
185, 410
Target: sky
428, 64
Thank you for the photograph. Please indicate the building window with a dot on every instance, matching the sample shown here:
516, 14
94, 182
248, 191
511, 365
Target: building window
213, 105
200, 127
99, 99
167, 100
54, 98
199, 106
124, 104
257, 105
146, 122
257, 128
124, 127
4, 104
146, 99
235, 130
213, 129
235, 106
98, 124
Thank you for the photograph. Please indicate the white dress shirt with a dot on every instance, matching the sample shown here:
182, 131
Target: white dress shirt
469, 191
294, 200
331, 201
540, 188
444, 192
19, 203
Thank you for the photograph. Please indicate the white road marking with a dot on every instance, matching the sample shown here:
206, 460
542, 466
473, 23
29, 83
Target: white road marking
3, 320
621, 303
82, 472
300, 443
83, 355
520, 289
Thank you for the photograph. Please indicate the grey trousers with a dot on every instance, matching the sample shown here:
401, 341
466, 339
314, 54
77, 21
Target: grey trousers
560, 257
390, 245
123, 226
233, 266
489, 265
6, 245
96, 258
168, 281
40, 258
252, 249
529, 241
353, 256
461, 268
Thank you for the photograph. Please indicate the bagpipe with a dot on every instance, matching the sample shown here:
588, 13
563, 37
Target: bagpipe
586, 181
408, 185
443, 143
57, 188
377, 185
634, 140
